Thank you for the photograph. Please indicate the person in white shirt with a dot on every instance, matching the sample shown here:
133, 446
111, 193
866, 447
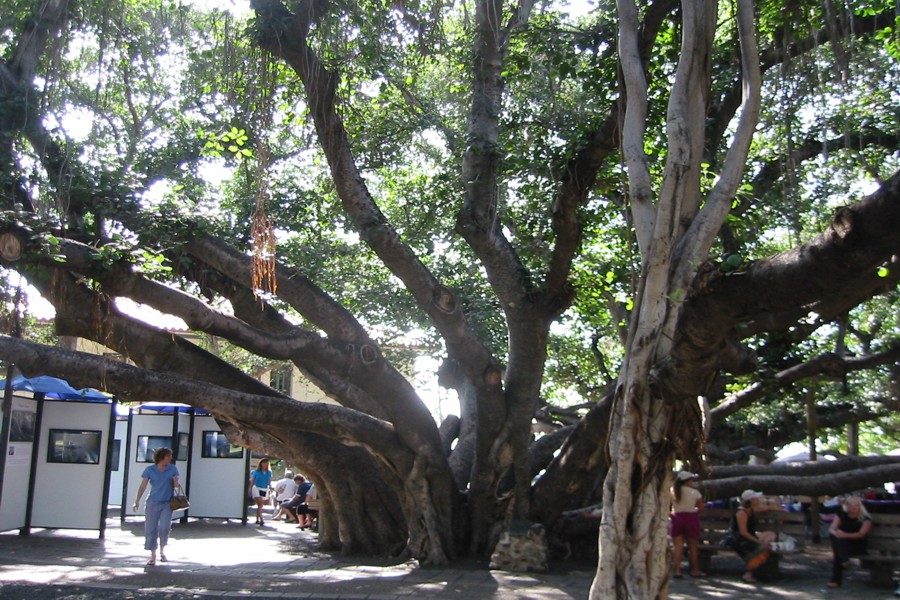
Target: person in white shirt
685, 522
285, 488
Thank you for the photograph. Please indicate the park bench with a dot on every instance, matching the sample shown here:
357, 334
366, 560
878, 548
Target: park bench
716, 522
883, 555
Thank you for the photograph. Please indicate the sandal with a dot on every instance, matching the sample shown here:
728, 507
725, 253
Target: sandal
151, 563
698, 574
162, 558
677, 575
749, 578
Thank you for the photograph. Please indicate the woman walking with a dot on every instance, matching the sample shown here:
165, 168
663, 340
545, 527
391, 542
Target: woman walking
260, 479
163, 479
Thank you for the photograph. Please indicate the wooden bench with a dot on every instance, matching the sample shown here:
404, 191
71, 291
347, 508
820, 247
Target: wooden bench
716, 522
883, 555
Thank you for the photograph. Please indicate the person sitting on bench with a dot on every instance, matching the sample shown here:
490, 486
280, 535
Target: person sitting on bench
751, 545
848, 533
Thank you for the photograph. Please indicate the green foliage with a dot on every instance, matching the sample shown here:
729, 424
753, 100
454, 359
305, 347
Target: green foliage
232, 140
162, 107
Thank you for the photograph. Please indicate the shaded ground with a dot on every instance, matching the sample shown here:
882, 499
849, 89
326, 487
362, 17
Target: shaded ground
59, 592
216, 559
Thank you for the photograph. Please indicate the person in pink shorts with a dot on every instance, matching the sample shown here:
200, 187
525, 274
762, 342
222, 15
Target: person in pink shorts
687, 503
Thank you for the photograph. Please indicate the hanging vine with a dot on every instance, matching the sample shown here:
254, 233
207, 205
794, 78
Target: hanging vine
262, 233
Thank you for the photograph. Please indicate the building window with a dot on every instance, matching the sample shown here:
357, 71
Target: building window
280, 380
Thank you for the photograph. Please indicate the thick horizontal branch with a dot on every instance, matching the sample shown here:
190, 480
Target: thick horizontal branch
829, 364
822, 466
127, 381
864, 285
800, 484
302, 294
862, 237
791, 424
741, 454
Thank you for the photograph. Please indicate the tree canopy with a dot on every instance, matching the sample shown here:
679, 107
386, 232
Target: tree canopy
631, 228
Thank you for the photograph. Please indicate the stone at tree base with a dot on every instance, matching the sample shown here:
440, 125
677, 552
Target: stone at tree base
521, 549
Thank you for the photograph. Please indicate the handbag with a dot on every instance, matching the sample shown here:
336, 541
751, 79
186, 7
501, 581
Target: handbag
179, 500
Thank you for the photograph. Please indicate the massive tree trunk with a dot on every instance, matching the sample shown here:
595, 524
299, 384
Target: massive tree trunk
651, 422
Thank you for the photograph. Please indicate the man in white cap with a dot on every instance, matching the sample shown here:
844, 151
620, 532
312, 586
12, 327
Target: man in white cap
753, 546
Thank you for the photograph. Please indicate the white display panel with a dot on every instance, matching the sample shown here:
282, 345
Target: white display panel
117, 467
183, 451
147, 432
17, 470
218, 473
71, 465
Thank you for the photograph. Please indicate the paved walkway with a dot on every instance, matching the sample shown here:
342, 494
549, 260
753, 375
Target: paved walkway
213, 558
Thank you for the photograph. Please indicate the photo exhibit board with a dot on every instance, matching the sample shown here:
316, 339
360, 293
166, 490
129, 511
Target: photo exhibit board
148, 444
17, 468
182, 450
218, 473
182, 441
216, 445
74, 446
22, 423
147, 432
117, 464
71, 464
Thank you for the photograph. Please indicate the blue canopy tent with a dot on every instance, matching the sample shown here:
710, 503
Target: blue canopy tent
53, 387
169, 408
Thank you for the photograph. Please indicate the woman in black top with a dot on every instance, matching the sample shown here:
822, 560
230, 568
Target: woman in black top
751, 545
848, 533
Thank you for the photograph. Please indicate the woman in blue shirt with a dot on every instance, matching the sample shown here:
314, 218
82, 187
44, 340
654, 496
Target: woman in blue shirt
260, 478
163, 479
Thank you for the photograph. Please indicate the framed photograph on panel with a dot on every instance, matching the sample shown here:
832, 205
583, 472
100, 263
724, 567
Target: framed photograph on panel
148, 443
21, 426
181, 452
216, 445
114, 460
74, 446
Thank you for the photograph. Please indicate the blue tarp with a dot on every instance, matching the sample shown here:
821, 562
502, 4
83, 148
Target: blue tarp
53, 387
166, 408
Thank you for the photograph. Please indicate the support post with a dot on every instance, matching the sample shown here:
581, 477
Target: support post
812, 424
